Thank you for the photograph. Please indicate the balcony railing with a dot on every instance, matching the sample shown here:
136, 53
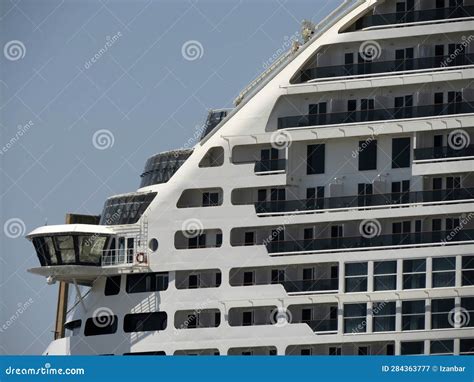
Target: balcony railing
117, 257
328, 325
364, 200
270, 165
415, 16
375, 115
373, 67
443, 152
365, 242
310, 285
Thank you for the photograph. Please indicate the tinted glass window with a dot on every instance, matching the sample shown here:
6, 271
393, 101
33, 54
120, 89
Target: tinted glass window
315, 159
112, 285
144, 322
125, 209
400, 152
367, 155
147, 282
101, 325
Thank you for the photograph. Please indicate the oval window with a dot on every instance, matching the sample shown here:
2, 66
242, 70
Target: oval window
153, 245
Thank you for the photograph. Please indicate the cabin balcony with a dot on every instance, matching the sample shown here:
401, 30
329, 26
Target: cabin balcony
401, 15
295, 278
368, 68
363, 201
371, 115
444, 153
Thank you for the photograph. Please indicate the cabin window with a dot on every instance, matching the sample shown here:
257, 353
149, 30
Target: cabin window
144, 322
100, 325
112, 285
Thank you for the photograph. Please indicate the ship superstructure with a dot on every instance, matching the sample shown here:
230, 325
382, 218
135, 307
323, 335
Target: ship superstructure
331, 212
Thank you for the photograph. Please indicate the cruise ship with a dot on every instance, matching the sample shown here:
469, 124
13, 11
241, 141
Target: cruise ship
330, 212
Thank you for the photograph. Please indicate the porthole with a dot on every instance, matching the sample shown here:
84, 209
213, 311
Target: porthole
153, 244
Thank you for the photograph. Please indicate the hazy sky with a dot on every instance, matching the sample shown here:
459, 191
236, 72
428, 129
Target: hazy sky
88, 91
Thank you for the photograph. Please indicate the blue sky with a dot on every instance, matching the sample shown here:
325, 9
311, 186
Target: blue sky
71, 69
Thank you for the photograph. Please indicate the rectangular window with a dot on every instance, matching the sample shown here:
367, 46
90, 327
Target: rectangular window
278, 276
355, 318
210, 199
247, 318
193, 281
315, 162
442, 347
444, 272
401, 152
363, 350
249, 238
385, 275
335, 351
441, 310
305, 352
412, 348
384, 316
147, 282
367, 155
356, 277
97, 326
466, 314
413, 315
414, 274
308, 274
249, 278
144, 322
467, 270
112, 285
466, 346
